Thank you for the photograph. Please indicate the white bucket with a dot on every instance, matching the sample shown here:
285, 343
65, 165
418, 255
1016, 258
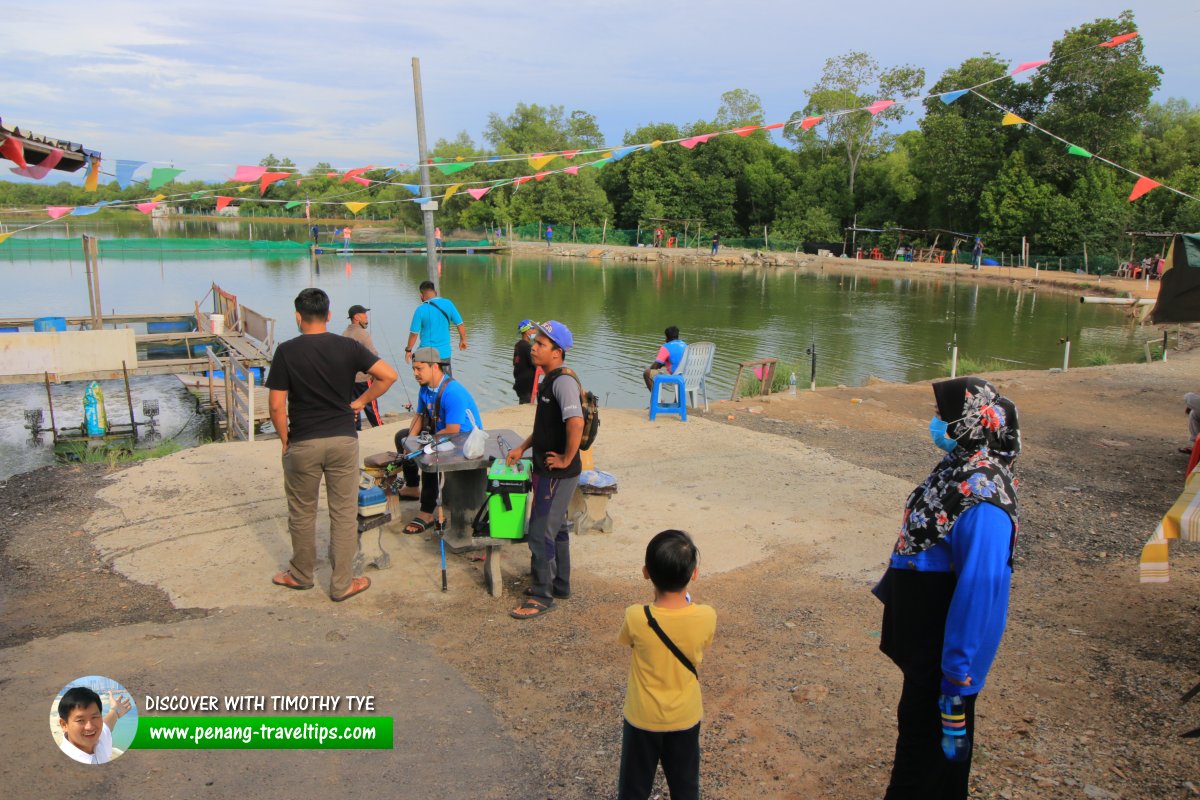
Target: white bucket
218, 323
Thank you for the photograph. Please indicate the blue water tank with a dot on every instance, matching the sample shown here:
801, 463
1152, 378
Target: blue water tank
178, 326
50, 324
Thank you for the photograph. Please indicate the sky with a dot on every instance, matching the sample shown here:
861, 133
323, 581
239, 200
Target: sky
209, 85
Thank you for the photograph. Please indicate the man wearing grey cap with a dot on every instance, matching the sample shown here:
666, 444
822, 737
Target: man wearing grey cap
357, 330
557, 432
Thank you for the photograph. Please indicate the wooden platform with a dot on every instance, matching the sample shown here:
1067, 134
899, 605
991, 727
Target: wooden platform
197, 386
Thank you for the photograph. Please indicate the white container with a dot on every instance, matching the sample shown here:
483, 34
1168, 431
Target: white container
218, 323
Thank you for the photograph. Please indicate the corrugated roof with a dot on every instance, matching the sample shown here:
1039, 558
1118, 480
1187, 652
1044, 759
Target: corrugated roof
38, 146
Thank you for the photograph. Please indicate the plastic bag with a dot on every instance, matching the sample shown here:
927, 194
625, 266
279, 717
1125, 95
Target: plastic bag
476, 441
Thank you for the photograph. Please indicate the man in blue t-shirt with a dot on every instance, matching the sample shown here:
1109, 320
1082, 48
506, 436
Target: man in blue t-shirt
668, 358
444, 408
431, 326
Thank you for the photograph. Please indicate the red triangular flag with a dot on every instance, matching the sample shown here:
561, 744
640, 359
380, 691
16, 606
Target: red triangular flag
14, 151
809, 122
569, 153
223, 201
270, 177
572, 170
880, 105
1116, 40
1142, 186
523, 179
540, 175
746, 131
774, 126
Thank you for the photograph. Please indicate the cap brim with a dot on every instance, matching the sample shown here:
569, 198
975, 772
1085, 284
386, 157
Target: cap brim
547, 334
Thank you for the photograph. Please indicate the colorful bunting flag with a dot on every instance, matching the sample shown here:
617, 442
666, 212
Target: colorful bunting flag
599, 164
1116, 40
746, 131
353, 173
569, 154
4, 237
268, 178
540, 175
39, 171
1028, 65
359, 179
59, 211
162, 176
146, 208
1142, 186
656, 143
12, 149
1011, 119
950, 97
572, 170
125, 170
355, 207
248, 174
810, 122
243, 188
450, 192
621, 152
450, 169
83, 211
1076, 150
158, 198
690, 142
479, 193
774, 126
880, 105
223, 201
198, 195
92, 182
522, 179
290, 204
412, 187
540, 160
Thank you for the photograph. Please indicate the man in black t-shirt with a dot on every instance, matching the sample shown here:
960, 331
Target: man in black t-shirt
524, 369
557, 432
314, 409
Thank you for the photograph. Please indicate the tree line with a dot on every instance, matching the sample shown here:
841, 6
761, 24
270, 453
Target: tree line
957, 171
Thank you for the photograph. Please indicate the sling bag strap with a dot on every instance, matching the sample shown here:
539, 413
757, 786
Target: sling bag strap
654, 626
439, 308
434, 414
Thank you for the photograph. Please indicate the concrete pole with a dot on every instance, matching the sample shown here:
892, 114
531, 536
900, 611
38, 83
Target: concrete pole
431, 256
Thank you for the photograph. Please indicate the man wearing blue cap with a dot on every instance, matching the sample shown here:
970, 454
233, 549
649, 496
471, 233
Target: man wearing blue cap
523, 366
557, 432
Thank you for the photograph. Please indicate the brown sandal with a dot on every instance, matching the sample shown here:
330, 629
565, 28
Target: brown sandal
357, 586
286, 578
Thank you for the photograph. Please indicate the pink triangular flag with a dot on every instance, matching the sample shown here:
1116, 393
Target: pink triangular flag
746, 131
1116, 40
59, 211
704, 137
479, 193
146, 208
1142, 186
361, 179
1028, 65
809, 122
572, 170
569, 153
880, 105
774, 126
223, 201
39, 171
353, 173
245, 174
540, 175
689, 143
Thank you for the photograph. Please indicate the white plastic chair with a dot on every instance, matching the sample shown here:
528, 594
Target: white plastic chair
694, 367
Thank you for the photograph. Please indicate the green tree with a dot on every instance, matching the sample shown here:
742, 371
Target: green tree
739, 107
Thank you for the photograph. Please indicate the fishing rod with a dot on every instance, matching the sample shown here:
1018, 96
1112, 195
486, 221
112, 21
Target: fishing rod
387, 341
952, 345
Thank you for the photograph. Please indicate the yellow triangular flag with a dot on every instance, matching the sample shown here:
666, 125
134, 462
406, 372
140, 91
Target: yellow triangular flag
607, 155
355, 207
4, 237
92, 182
244, 188
158, 198
541, 161
656, 143
450, 192
1011, 119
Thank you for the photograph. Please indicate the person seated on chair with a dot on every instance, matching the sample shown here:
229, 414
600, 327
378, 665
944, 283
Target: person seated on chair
668, 358
442, 410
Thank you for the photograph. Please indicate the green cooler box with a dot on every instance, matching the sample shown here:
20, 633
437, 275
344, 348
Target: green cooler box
508, 491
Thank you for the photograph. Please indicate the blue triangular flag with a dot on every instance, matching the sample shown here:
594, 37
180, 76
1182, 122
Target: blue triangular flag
622, 152
412, 187
125, 170
83, 211
950, 97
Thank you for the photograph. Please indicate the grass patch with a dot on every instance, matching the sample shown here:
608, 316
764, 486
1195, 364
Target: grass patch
1099, 358
113, 456
751, 386
974, 366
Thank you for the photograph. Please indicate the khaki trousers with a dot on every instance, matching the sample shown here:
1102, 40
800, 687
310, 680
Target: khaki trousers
304, 464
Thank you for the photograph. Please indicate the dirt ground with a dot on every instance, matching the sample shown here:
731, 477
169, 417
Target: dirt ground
1083, 701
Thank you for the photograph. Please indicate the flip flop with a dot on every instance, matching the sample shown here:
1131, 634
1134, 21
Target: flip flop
286, 578
357, 586
417, 525
536, 607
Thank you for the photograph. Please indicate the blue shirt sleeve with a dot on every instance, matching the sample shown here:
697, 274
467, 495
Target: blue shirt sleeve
451, 311
415, 325
455, 402
981, 542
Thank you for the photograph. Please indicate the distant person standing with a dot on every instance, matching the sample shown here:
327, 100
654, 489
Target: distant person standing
357, 330
315, 230
658, 237
716, 243
977, 254
437, 238
313, 408
431, 325
549, 235
523, 366
668, 358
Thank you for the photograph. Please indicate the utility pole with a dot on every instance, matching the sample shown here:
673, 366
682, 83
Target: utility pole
427, 209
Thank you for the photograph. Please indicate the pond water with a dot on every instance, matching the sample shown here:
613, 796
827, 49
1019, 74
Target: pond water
895, 329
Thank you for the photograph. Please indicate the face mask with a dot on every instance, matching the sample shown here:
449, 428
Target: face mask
937, 432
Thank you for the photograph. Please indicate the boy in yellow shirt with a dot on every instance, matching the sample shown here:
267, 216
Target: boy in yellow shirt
662, 701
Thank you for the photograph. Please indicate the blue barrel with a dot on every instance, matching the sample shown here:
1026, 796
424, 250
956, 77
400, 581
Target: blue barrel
179, 326
10, 330
50, 324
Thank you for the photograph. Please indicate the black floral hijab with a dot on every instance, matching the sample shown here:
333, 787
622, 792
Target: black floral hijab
979, 470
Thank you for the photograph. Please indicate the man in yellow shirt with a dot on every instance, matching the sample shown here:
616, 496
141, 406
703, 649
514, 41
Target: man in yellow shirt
663, 706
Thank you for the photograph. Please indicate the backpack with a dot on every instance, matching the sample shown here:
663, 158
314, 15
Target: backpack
591, 408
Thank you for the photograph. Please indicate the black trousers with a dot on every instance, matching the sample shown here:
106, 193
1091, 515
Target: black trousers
412, 477
641, 752
370, 409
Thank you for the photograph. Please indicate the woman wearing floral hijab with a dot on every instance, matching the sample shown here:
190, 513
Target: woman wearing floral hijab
945, 593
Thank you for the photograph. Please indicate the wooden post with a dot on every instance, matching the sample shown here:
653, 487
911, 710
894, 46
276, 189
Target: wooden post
573, 224
637, 239
604, 232
1085, 260
766, 241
